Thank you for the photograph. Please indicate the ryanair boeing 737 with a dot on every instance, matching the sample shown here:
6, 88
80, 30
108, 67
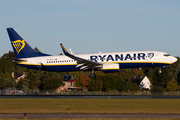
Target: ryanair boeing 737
107, 62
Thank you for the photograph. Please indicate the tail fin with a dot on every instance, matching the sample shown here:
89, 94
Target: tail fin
21, 48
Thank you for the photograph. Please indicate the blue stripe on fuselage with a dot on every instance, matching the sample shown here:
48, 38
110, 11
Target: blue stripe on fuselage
66, 68
55, 68
137, 65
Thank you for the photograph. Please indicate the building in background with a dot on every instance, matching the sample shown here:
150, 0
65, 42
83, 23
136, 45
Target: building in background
68, 84
142, 81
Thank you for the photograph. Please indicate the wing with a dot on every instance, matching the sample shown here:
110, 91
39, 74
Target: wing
82, 63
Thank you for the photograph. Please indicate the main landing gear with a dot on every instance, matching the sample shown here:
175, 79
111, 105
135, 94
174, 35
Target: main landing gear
92, 75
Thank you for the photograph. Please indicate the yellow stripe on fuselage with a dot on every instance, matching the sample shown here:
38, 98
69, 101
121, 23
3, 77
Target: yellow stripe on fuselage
137, 62
119, 62
110, 68
45, 64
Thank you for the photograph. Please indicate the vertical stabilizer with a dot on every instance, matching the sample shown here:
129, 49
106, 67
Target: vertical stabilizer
21, 48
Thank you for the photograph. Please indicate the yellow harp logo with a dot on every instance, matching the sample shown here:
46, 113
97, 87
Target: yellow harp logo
18, 45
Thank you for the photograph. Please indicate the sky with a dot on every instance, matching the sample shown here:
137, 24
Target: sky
90, 26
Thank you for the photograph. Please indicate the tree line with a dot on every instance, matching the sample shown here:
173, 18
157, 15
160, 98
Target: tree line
168, 80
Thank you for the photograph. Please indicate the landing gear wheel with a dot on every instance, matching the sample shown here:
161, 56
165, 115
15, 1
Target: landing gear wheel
160, 70
92, 75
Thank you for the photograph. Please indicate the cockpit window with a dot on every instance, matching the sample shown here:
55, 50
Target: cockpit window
167, 55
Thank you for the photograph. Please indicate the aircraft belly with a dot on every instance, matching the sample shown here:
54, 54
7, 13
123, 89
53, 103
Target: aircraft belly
62, 68
137, 65
55, 68
66, 68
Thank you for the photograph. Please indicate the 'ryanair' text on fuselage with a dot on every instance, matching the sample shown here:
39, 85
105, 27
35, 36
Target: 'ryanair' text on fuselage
121, 57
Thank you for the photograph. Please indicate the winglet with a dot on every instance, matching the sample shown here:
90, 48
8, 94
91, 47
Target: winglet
71, 51
64, 49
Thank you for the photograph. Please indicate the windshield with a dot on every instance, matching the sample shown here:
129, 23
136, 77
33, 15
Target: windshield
167, 55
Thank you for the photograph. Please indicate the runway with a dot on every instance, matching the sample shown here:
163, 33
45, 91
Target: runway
74, 115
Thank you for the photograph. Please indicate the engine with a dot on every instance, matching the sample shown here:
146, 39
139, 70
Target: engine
110, 67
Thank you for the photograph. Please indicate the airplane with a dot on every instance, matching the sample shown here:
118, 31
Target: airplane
106, 62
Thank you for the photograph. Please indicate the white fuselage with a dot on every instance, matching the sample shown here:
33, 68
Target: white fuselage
132, 59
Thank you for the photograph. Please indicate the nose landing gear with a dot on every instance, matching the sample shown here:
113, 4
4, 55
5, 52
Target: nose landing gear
160, 70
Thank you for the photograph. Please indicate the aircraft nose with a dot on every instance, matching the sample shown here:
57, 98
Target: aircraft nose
173, 59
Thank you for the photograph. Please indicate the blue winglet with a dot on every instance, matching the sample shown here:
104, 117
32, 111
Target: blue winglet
64, 49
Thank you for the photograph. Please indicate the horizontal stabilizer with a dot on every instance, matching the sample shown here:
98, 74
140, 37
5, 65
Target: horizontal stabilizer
17, 60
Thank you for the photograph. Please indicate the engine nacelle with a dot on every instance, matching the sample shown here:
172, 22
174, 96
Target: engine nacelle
110, 67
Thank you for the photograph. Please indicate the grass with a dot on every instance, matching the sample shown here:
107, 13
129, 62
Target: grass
54, 105
98, 119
